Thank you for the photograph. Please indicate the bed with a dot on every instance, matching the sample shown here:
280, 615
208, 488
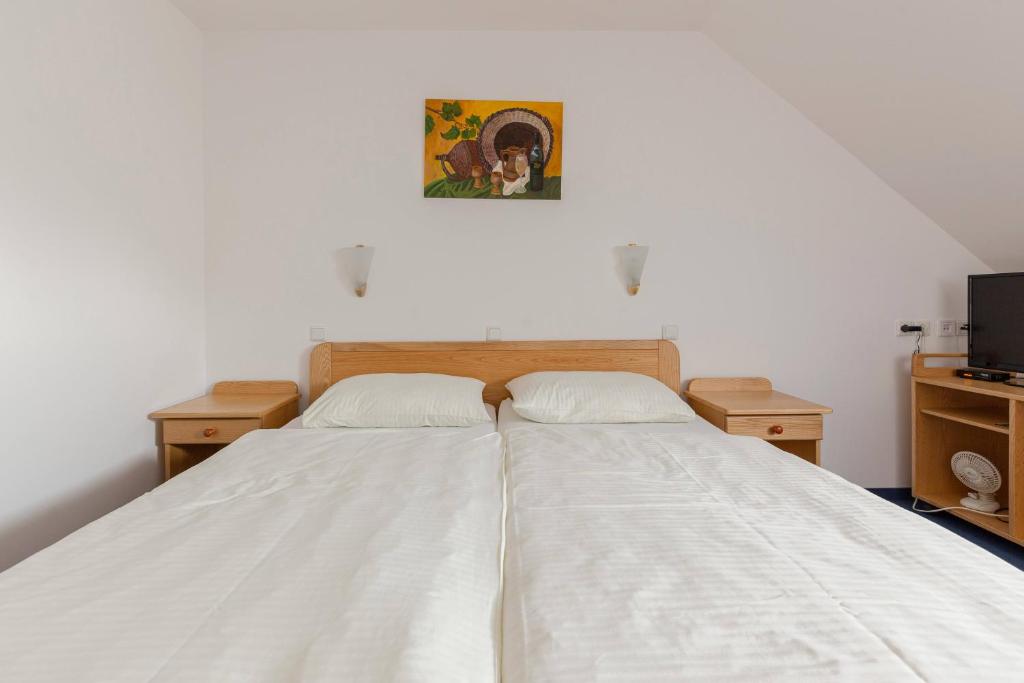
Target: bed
292, 554
633, 552
669, 552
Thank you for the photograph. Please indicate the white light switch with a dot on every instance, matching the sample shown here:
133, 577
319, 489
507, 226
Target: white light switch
493, 334
317, 334
670, 332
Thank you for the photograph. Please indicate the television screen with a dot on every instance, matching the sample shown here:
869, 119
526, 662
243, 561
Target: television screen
995, 307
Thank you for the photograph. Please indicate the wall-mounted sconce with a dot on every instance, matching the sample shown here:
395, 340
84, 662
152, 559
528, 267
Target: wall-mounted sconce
630, 264
354, 266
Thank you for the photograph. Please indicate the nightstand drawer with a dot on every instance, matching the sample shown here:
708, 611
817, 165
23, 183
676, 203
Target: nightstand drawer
207, 431
775, 427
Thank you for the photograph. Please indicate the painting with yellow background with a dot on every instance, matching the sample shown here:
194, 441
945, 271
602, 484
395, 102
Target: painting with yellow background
492, 149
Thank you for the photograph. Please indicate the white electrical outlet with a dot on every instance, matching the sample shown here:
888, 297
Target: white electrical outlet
900, 323
947, 328
961, 328
493, 334
317, 333
670, 332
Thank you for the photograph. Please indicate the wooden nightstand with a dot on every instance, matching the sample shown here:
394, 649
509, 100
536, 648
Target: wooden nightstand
192, 431
750, 407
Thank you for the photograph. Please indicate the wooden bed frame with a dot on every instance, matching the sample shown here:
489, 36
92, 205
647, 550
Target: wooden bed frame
493, 362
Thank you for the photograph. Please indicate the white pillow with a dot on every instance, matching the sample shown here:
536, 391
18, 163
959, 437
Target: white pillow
399, 400
596, 397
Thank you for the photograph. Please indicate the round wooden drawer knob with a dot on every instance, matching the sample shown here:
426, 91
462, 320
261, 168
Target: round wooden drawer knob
209, 431
776, 429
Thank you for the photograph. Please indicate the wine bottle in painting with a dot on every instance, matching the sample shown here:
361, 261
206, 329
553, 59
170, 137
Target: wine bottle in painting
536, 165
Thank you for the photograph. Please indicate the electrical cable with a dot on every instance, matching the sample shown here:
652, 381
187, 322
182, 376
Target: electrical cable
1005, 517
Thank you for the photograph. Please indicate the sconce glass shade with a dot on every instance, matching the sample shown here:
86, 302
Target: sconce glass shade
632, 258
354, 264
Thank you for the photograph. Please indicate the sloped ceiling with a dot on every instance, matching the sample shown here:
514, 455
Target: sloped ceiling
929, 94
440, 15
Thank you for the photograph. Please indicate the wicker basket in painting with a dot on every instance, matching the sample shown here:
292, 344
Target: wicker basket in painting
514, 127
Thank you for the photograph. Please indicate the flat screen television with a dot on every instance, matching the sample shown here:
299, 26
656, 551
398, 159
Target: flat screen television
995, 312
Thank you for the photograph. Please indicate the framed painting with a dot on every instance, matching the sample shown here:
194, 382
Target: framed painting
492, 149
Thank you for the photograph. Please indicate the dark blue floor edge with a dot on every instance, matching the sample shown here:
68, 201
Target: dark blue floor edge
1000, 547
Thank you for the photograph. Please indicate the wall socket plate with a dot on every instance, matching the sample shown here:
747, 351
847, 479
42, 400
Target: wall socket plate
493, 334
670, 332
947, 328
317, 333
961, 328
925, 326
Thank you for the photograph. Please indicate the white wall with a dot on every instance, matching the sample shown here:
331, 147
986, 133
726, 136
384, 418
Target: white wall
101, 263
775, 250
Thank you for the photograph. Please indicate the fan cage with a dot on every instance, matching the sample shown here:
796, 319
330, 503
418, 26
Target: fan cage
976, 472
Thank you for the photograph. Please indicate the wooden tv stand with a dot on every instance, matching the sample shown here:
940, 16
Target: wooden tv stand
951, 414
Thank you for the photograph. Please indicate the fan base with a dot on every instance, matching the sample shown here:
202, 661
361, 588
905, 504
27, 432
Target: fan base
979, 505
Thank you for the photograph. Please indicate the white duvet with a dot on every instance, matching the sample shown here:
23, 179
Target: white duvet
695, 556
291, 555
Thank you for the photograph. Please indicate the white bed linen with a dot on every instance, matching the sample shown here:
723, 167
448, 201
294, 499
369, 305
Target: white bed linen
695, 555
290, 555
296, 423
399, 399
508, 419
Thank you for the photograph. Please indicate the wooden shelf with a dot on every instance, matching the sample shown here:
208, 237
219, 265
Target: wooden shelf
950, 414
975, 386
993, 524
992, 419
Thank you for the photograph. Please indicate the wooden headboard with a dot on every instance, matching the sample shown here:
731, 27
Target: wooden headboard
493, 362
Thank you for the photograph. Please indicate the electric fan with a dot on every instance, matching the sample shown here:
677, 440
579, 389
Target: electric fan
977, 472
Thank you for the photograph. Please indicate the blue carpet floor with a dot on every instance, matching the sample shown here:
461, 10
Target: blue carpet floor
1011, 552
